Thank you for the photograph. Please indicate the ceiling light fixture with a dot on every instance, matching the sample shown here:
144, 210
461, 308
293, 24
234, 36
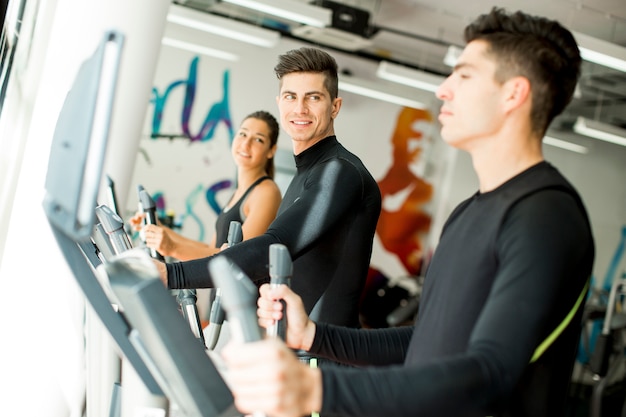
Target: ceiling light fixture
563, 144
408, 76
601, 131
452, 55
221, 26
601, 52
199, 49
289, 9
379, 92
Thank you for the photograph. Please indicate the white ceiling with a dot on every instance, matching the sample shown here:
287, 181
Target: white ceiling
445, 19
603, 91
417, 33
604, 19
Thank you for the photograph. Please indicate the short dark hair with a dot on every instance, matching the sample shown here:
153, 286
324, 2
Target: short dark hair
310, 60
274, 129
534, 47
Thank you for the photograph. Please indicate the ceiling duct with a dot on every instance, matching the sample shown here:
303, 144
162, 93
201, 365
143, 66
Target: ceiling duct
348, 18
287, 9
349, 30
331, 37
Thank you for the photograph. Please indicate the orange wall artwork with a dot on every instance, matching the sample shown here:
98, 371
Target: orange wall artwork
401, 229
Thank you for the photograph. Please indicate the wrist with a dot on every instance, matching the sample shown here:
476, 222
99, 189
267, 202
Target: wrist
309, 336
177, 246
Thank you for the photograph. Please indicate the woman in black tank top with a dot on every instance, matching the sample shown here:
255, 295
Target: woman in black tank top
254, 202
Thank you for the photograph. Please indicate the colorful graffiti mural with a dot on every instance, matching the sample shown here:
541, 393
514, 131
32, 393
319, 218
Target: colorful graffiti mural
218, 113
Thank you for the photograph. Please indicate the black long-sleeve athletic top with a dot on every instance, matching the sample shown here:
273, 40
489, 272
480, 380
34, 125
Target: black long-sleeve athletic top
510, 265
327, 220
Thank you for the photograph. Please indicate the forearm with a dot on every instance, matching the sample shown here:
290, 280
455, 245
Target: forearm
185, 249
458, 386
189, 274
361, 346
252, 256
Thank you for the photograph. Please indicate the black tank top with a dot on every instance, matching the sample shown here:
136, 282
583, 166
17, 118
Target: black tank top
234, 213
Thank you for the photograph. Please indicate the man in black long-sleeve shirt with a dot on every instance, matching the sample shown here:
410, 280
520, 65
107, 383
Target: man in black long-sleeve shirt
327, 218
499, 318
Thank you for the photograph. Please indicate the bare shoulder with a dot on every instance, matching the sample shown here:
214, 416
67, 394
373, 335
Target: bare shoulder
263, 200
268, 186
266, 190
